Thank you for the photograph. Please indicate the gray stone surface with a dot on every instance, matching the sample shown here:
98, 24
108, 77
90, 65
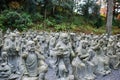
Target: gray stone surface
114, 75
34, 55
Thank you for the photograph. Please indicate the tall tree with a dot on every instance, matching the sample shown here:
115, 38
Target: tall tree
109, 17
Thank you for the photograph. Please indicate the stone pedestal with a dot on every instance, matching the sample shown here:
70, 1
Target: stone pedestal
29, 78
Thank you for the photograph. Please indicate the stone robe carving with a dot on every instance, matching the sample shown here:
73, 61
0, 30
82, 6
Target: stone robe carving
31, 60
5, 71
63, 51
33, 64
10, 46
100, 60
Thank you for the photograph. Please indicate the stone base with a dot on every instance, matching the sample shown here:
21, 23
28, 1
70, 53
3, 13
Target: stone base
29, 78
3, 78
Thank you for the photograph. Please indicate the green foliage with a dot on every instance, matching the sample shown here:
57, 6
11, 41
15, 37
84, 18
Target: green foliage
78, 20
37, 17
13, 20
59, 18
64, 27
116, 23
99, 22
49, 22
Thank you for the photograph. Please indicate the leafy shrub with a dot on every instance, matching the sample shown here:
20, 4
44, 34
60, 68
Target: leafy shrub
59, 18
116, 23
64, 27
99, 22
13, 20
37, 17
49, 22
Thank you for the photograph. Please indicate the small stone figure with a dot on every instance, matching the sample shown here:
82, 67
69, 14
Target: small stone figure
100, 60
57, 56
5, 71
10, 47
63, 51
34, 62
4, 57
117, 65
85, 67
31, 61
1, 42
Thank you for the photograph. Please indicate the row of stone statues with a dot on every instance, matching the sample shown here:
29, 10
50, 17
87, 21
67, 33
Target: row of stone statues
37, 55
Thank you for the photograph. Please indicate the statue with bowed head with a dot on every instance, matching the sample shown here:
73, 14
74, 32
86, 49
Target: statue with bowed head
10, 47
100, 60
82, 64
5, 69
63, 51
34, 62
1, 41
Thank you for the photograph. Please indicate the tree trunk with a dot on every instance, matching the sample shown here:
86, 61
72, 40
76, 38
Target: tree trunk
109, 17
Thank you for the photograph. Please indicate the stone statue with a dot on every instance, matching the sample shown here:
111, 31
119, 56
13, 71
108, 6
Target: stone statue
84, 59
4, 57
100, 60
5, 71
1, 42
117, 65
10, 47
34, 55
43, 46
31, 61
78, 68
63, 51
34, 62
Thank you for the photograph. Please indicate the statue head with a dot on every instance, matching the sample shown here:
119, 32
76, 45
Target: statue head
64, 38
57, 35
12, 36
84, 44
31, 45
71, 77
4, 56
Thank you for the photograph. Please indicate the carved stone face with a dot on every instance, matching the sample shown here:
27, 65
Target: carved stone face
12, 36
31, 46
64, 38
85, 44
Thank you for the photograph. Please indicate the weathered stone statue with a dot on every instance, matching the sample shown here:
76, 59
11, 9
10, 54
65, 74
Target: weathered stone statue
5, 71
4, 57
34, 62
34, 55
10, 47
100, 60
84, 59
117, 65
78, 68
63, 51
31, 61
1, 41
43, 46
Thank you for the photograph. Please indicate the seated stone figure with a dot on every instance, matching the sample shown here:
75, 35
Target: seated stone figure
82, 63
117, 65
10, 47
33, 62
5, 70
1, 42
100, 60
63, 51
